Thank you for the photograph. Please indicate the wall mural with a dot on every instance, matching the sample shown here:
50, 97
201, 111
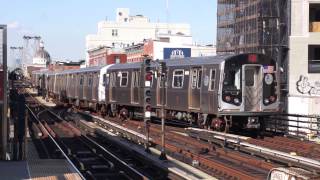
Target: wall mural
305, 87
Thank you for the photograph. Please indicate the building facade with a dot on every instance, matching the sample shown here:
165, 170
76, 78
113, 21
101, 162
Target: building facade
259, 26
62, 65
106, 55
304, 58
128, 30
166, 50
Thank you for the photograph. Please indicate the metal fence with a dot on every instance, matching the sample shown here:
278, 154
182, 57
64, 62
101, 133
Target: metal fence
305, 126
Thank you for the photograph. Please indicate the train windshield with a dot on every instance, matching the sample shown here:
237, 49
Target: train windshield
232, 80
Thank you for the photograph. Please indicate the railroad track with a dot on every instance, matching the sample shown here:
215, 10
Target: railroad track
214, 160
281, 150
90, 158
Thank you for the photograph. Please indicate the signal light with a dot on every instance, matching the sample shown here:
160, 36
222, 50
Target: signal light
272, 98
148, 108
148, 76
252, 58
148, 93
147, 61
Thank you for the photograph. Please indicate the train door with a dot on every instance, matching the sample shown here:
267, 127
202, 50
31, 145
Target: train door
252, 87
112, 86
81, 82
195, 87
135, 85
95, 89
89, 87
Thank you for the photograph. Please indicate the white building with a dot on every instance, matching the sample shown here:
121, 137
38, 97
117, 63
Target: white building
128, 30
166, 49
304, 58
41, 58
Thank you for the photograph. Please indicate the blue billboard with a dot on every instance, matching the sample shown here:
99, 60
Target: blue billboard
174, 53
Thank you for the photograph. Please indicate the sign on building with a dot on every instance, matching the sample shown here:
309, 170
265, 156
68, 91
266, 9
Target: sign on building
175, 53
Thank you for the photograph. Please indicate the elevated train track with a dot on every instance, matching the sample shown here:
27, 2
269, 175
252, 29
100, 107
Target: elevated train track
214, 158
90, 158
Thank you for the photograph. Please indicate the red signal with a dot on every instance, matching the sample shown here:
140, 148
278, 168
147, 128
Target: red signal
148, 76
148, 108
252, 58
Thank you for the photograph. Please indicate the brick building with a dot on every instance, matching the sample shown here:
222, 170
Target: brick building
105, 55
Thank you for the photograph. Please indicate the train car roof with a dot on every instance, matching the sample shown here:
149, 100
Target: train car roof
178, 62
88, 69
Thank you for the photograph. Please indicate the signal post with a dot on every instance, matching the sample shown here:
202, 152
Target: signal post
147, 74
163, 78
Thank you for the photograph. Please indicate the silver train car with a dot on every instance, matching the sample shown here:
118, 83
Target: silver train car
217, 92
83, 88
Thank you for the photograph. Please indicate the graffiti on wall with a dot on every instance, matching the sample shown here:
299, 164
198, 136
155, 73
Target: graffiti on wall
305, 87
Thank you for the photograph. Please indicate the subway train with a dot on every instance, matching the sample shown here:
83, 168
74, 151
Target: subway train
218, 92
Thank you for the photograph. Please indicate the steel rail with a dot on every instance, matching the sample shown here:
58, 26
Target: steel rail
238, 141
54, 141
116, 158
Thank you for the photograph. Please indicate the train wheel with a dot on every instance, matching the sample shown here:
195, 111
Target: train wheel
218, 124
200, 121
123, 114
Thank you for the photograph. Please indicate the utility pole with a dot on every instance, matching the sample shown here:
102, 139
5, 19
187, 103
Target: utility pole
17, 54
146, 66
163, 78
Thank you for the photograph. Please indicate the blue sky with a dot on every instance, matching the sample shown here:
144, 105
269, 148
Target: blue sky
63, 24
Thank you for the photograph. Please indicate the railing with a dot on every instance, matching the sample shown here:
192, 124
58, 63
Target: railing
305, 126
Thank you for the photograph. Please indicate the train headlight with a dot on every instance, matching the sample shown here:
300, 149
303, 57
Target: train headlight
236, 100
272, 98
266, 101
228, 98
268, 79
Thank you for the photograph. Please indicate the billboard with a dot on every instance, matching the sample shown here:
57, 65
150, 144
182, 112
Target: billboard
174, 53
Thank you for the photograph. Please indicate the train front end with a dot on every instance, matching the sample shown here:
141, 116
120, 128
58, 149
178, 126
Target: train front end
249, 88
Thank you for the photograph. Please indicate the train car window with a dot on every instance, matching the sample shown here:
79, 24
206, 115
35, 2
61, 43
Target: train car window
90, 80
113, 79
232, 80
104, 80
137, 79
212, 79
194, 77
81, 79
249, 77
124, 79
199, 79
178, 76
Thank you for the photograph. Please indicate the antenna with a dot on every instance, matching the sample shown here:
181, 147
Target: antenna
167, 15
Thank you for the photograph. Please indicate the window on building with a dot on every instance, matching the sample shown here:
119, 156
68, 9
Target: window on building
178, 76
124, 79
212, 79
314, 59
117, 59
314, 17
114, 32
